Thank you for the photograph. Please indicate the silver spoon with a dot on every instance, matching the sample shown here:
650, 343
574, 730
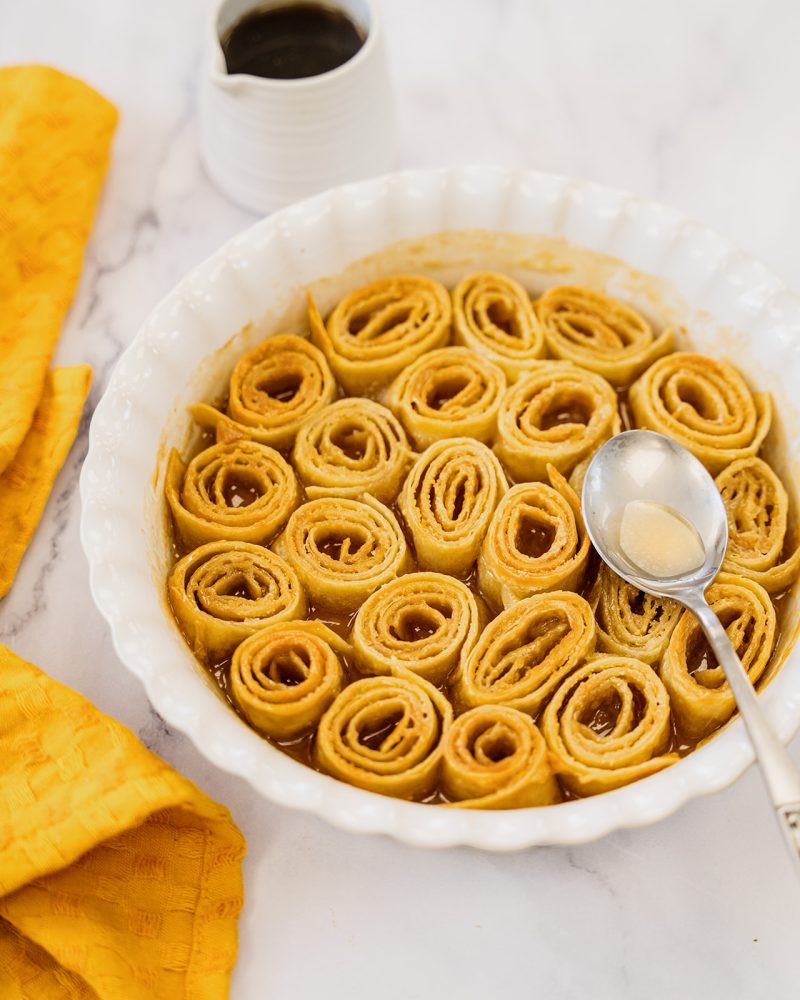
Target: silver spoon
642, 465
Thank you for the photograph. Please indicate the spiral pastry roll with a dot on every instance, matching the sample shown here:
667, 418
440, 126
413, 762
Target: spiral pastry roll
758, 512
496, 758
703, 404
630, 622
222, 592
493, 316
578, 474
376, 331
536, 541
701, 698
448, 392
343, 549
420, 624
608, 724
385, 734
524, 653
273, 389
556, 415
242, 492
353, 446
599, 333
285, 676
447, 501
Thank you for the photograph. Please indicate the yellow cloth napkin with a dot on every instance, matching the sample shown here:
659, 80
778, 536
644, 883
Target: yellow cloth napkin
55, 135
27, 480
119, 880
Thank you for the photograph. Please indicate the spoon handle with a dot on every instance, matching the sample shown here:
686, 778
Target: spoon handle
780, 773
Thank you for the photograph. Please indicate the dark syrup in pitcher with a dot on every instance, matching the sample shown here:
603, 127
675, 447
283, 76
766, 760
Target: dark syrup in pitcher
291, 42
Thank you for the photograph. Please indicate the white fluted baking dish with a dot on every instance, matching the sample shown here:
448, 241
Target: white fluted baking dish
441, 222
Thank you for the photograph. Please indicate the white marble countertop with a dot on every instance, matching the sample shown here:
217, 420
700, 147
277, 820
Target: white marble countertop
692, 102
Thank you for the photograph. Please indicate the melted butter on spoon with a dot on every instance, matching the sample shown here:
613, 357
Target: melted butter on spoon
659, 540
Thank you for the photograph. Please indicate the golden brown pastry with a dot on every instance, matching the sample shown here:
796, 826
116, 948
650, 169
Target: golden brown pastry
493, 316
351, 447
578, 474
700, 696
222, 592
630, 622
343, 549
421, 624
273, 389
523, 654
536, 542
608, 724
376, 331
385, 734
556, 415
447, 501
704, 405
758, 514
600, 333
286, 675
447, 393
241, 492
496, 758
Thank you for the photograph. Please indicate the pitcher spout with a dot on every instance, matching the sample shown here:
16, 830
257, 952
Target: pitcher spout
232, 84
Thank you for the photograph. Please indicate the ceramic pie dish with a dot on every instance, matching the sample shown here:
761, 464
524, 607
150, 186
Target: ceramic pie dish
536, 227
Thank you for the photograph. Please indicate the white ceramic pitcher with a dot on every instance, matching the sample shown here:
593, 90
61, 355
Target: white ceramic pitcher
267, 142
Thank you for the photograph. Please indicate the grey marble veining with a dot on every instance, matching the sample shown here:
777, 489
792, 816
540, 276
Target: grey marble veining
693, 103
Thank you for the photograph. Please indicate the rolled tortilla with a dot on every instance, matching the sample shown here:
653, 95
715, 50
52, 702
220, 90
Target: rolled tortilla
377, 330
421, 624
448, 500
599, 333
274, 388
496, 758
241, 492
524, 653
608, 724
703, 404
493, 316
343, 549
286, 675
351, 447
386, 735
452, 392
536, 541
222, 592
557, 415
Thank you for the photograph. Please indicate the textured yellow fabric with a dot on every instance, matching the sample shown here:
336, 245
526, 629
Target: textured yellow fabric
27, 971
118, 878
55, 134
26, 482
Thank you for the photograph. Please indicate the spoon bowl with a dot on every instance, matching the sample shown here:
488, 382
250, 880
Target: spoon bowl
643, 465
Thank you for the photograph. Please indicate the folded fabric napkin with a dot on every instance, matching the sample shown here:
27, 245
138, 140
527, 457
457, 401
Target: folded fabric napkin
55, 136
27, 480
118, 877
